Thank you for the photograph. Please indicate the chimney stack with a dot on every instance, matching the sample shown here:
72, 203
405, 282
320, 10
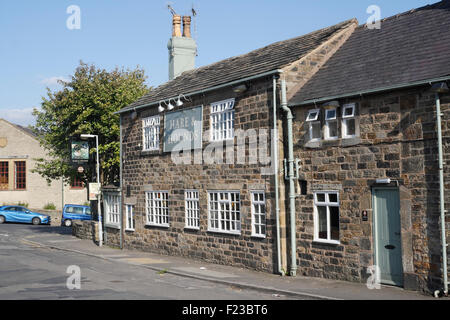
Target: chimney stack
182, 48
187, 26
176, 25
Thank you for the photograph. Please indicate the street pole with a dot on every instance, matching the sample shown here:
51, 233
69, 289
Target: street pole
100, 229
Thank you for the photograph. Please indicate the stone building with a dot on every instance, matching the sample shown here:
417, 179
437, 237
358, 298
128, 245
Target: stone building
19, 150
290, 153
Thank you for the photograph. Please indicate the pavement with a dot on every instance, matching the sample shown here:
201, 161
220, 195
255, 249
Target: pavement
60, 238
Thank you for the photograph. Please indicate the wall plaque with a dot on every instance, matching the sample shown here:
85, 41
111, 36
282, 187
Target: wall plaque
183, 129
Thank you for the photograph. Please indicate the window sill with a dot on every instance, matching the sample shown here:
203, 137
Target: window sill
129, 230
157, 225
258, 236
150, 152
192, 228
112, 226
329, 242
236, 233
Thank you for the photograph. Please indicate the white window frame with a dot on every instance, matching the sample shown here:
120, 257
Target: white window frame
157, 208
129, 216
222, 120
326, 204
150, 133
328, 121
258, 203
346, 118
112, 210
313, 120
231, 216
192, 209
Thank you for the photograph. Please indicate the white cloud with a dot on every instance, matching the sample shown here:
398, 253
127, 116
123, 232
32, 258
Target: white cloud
19, 116
52, 81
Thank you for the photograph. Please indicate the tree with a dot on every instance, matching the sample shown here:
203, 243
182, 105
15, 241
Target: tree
86, 104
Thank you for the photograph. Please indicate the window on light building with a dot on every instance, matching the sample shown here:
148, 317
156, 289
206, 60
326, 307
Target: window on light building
4, 175
20, 175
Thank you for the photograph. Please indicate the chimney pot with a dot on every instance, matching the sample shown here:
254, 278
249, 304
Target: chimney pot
176, 24
187, 26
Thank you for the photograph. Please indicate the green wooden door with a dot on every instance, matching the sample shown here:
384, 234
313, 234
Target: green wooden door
388, 246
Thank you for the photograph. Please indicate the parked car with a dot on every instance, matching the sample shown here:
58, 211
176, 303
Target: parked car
23, 215
75, 212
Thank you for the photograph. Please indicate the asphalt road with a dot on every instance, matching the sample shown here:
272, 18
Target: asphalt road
29, 272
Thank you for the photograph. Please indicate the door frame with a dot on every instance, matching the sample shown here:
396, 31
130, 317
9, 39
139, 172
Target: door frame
375, 233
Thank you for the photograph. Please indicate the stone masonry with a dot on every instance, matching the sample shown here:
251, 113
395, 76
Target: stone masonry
397, 140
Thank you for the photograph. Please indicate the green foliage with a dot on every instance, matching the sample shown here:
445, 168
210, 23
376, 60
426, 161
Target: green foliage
50, 206
86, 104
22, 204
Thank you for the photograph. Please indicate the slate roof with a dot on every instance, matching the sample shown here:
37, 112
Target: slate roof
408, 48
269, 58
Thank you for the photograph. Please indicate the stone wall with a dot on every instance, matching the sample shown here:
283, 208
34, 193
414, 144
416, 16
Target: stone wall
85, 230
397, 140
144, 171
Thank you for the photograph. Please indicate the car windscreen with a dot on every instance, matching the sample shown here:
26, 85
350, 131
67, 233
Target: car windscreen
76, 210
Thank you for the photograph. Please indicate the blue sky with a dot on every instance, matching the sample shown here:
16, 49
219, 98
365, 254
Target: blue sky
36, 47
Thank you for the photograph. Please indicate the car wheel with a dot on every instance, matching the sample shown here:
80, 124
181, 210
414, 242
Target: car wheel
36, 221
68, 223
2, 219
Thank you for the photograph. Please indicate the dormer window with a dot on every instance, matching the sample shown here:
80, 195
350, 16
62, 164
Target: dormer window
313, 122
331, 125
348, 121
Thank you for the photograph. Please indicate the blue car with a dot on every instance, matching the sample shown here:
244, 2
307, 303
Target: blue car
22, 215
75, 212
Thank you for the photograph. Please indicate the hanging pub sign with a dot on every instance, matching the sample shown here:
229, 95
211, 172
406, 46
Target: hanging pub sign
183, 129
79, 151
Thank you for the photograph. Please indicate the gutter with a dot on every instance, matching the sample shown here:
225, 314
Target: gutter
291, 177
277, 71
275, 156
120, 184
363, 92
441, 194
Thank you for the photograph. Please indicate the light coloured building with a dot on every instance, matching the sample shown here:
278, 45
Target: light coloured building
19, 149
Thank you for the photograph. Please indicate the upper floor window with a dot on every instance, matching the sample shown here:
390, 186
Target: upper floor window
150, 128
348, 121
222, 120
331, 124
20, 176
314, 127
